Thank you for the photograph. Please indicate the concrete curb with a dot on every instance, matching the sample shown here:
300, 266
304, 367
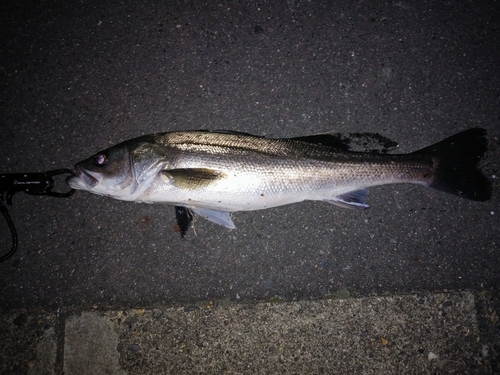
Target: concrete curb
410, 334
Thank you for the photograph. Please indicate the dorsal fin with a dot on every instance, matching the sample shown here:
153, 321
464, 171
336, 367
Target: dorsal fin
224, 131
331, 140
327, 139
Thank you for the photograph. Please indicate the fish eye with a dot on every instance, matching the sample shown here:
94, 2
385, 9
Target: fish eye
100, 159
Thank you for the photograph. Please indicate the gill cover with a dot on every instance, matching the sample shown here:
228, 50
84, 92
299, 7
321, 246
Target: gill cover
122, 171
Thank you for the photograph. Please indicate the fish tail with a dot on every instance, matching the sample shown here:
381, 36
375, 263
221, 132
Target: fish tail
456, 162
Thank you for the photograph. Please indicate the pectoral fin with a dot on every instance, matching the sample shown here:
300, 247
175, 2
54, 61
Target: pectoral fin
354, 199
218, 217
192, 178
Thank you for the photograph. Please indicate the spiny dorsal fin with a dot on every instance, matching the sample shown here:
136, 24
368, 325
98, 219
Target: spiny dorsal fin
332, 140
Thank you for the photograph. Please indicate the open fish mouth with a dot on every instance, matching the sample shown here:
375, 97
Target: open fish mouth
84, 179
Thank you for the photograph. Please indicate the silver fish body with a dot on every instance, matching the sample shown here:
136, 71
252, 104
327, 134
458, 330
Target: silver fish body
214, 173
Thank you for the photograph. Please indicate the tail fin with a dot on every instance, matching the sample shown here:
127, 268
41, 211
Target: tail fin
455, 161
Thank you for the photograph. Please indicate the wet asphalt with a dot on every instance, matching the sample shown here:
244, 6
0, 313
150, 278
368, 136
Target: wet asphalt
78, 77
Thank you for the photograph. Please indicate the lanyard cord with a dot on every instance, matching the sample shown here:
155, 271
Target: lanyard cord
13, 232
30, 183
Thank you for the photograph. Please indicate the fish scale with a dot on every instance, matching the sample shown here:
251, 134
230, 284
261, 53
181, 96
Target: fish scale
215, 173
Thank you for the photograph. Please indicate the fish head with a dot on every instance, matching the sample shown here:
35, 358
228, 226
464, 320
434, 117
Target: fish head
123, 171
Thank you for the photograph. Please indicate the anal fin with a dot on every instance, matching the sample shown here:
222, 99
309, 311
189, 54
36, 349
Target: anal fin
355, 199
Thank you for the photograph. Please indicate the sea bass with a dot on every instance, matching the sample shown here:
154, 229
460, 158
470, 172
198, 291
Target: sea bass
215, 173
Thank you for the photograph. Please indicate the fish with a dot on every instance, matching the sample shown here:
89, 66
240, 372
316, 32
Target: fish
216, 173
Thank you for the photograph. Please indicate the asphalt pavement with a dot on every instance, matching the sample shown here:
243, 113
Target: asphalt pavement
78, 77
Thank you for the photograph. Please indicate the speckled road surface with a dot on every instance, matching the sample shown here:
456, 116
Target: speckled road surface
78, 77
411, 334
